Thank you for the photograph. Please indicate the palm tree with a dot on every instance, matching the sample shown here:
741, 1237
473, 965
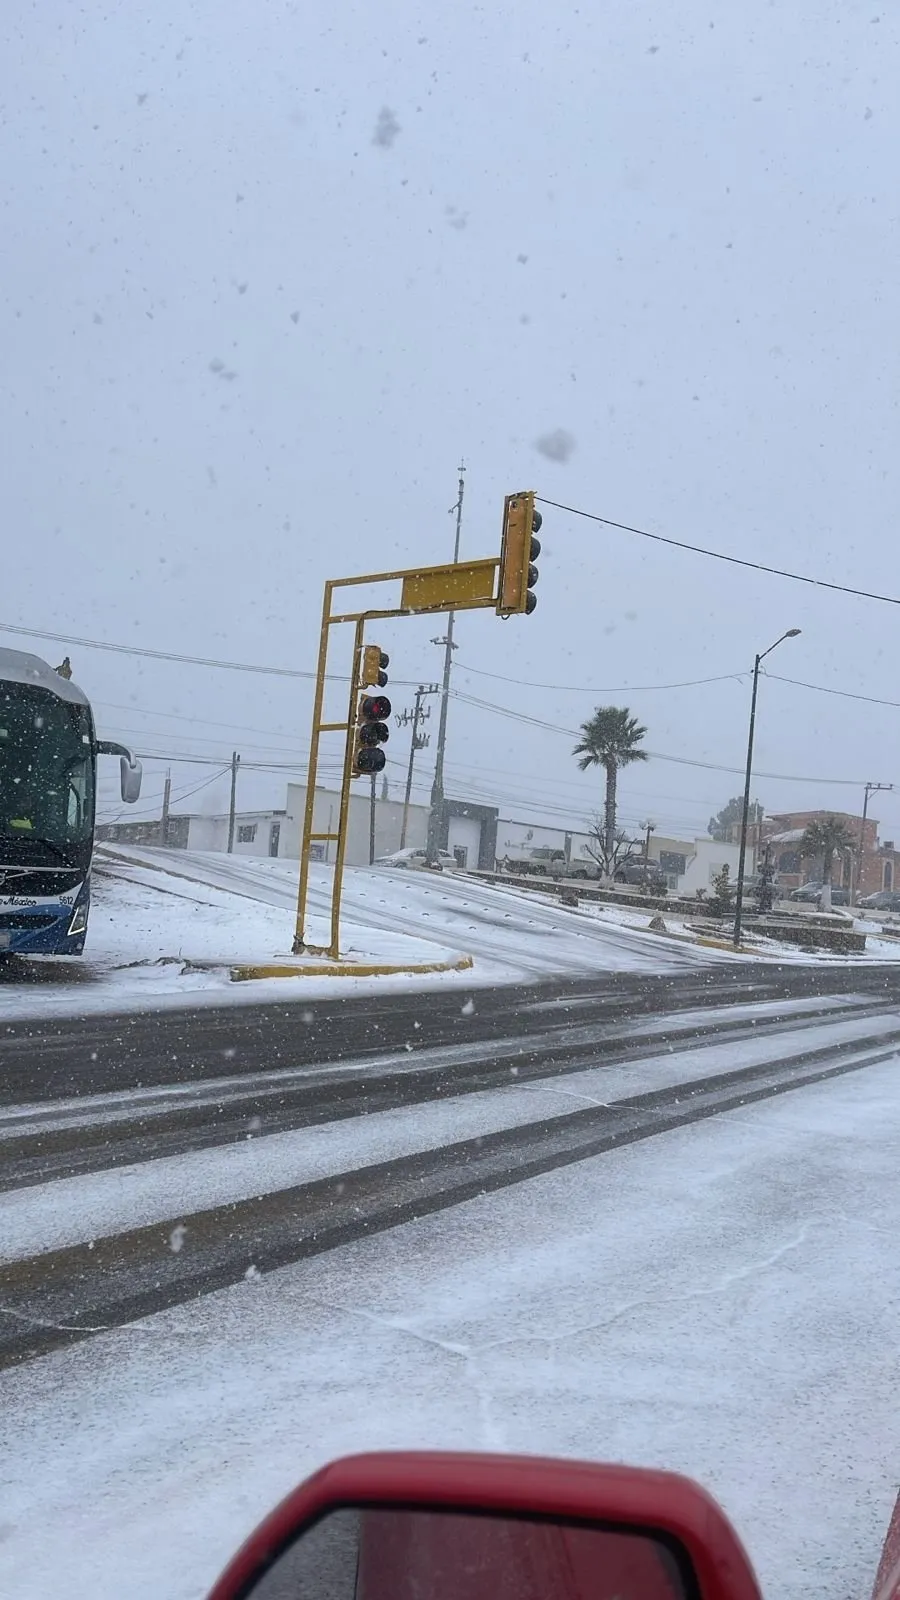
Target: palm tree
824, 837
610, 739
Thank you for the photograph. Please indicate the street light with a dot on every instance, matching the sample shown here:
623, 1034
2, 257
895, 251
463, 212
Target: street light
739, 898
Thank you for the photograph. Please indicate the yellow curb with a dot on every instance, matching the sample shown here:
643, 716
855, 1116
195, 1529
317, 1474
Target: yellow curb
348, 969
728, 944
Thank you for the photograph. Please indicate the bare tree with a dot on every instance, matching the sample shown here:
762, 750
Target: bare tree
609, 853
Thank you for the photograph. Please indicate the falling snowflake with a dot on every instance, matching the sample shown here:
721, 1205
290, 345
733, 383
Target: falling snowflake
556, 446
386, 128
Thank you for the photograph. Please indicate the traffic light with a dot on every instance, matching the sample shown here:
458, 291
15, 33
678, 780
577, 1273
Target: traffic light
371, 714
519, 551
374, 662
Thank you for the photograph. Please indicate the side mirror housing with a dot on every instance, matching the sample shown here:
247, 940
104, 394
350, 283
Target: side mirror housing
481, 1527
131, 774
131, 771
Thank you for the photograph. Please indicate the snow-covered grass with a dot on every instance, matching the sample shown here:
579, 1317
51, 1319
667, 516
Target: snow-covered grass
720, 1300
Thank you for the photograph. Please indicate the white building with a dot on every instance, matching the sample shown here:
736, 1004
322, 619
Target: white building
278, 833
703, 861
469, 830
521, 838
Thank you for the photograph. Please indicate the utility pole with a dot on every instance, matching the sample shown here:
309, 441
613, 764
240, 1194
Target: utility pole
871, 788
650, 828
164, 821
418, 741
792, 633
372, 798
437, 787
235, 763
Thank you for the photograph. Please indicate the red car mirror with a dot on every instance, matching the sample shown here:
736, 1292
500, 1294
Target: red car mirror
475, 1527
887, 1582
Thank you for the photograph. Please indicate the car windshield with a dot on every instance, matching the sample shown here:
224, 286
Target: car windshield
451, 453
46, 768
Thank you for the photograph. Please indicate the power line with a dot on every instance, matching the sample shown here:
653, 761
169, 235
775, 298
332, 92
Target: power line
719, 555
179, 795
580, 688
172, 655
821, 688
177, 716
155, 655
659, 755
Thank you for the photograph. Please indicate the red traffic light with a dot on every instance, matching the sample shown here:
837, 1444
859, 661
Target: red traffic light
374, 707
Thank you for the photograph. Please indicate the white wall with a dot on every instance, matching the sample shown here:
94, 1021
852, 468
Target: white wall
465, 832
388, 823
707, 860
518, 838
211, 833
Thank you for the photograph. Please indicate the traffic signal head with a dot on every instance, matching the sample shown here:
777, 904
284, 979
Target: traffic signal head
372, 671
371, 732
519, 551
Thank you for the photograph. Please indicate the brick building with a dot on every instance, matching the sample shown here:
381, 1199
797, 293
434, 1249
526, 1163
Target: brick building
783, 834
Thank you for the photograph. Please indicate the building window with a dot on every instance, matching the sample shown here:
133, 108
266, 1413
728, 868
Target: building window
246, 832
672, 864
888, 875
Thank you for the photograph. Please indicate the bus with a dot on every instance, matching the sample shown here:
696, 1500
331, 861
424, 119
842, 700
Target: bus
48, 773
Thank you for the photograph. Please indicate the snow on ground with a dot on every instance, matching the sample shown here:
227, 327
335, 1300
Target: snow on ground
155, 912
720, 1300
95, 1205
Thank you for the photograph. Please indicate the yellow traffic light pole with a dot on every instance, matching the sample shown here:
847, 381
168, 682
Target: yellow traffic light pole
497, 582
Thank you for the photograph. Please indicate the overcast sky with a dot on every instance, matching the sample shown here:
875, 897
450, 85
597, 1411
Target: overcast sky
270, 271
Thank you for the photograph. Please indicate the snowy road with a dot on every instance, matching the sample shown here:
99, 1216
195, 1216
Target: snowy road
587, 1215
720, 1300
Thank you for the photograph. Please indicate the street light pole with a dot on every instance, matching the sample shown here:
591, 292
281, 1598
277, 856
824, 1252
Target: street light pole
745, 812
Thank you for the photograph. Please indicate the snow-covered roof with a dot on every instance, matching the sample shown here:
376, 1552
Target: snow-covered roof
19, 666
793, 836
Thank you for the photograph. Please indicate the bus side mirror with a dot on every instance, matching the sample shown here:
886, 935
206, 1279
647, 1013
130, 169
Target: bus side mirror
131, 774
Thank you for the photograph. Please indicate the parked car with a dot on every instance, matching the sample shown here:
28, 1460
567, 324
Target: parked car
808, 893
645, 874
584, 868
416, 858
541, 862
811, 894
887, 900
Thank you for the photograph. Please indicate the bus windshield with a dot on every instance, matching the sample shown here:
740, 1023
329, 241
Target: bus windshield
46, 770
